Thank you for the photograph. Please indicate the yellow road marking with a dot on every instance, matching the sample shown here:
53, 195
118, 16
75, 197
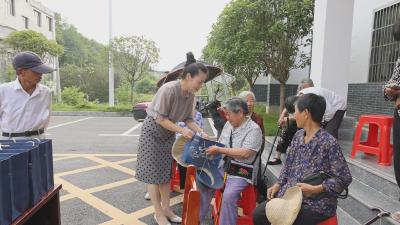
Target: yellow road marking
100, 188
82, 155
111, 185
111, 164
63, 158
79, 170
92, 168
135, 216
97, 203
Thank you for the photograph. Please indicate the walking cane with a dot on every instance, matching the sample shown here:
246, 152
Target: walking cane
381, 213
272, 148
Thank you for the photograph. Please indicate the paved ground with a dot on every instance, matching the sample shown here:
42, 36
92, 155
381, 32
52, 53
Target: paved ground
94, 160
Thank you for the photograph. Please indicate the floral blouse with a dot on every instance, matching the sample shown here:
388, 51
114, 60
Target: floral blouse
322, 153
395, 79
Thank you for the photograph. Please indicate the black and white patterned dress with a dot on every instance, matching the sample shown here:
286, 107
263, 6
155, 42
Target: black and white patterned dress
154, 157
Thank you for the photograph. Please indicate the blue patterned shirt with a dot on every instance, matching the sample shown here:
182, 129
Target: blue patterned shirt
322, 153
198, 118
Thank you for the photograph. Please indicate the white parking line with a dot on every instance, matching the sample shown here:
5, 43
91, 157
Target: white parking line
119, 135
68, 123
132, 129
125, 134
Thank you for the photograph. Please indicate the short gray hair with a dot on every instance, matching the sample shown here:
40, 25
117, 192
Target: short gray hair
236, 105
305, 82
243, 95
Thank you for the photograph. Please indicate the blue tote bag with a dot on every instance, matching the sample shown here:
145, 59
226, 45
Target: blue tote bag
20, 196
45, 158
34, 173
5, 191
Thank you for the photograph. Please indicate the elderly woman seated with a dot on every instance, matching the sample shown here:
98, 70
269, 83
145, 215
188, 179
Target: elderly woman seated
313, 150
243, 139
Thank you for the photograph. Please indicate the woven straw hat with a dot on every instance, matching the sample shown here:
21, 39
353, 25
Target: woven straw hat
283, 211
177, 150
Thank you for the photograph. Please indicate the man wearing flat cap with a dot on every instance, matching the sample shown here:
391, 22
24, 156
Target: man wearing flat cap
25, 104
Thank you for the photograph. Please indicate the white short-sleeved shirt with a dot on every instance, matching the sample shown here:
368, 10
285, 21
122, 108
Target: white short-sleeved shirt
334, 102
20, 112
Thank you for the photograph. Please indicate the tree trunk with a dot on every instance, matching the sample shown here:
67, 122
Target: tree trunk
132, 84
282, 87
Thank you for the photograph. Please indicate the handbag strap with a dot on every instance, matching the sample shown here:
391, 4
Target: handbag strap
230, 145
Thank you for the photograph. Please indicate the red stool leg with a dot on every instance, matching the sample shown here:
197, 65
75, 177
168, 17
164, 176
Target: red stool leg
385, 157
372, 135
331, 221
357, 138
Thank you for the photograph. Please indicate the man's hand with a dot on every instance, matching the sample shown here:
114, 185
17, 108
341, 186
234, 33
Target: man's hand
271, 192
309, 190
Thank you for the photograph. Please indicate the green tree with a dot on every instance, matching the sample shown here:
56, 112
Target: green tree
255, 37
230, 46
29, 40
282, 28
134, 55
84, 63
148, 85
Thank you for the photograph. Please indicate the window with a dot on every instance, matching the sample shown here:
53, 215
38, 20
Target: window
50, 23
26, 22
12, 7
38, 17
384, 49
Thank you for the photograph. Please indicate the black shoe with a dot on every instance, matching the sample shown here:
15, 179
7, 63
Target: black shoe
275, 162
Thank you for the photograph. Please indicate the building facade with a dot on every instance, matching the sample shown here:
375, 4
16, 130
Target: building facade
17, 15
352, 54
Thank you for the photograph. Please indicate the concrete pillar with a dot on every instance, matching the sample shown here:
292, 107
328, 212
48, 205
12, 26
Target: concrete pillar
332, 34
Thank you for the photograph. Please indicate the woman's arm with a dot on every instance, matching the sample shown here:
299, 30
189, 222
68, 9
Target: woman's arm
338, 169
169, 125
236, 153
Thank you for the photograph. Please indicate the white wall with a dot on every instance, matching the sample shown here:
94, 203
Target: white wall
362, 36
331, 44
23, 8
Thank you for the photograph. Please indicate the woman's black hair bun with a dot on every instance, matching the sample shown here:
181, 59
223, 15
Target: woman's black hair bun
190, 58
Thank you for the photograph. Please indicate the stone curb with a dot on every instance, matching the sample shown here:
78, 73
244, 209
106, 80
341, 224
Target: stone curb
94, 114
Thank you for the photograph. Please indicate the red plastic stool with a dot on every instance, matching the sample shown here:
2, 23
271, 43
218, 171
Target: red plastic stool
247, 202
376, 144
191, 199
175, 179
330, 221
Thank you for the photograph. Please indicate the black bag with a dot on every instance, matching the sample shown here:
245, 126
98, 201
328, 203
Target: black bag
239, 169
318, 178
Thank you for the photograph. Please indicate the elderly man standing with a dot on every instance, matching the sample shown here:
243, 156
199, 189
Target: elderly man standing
25, 105
335, 108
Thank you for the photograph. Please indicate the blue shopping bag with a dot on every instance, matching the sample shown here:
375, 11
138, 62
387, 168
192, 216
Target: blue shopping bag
45, 155
194, 152
34, 173
20, 197
5, 191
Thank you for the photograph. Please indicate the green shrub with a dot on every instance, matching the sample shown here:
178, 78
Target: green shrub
74, 96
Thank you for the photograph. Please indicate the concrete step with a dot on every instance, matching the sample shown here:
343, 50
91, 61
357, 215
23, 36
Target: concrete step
348, 123
370, 188
346, 134
366, 168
